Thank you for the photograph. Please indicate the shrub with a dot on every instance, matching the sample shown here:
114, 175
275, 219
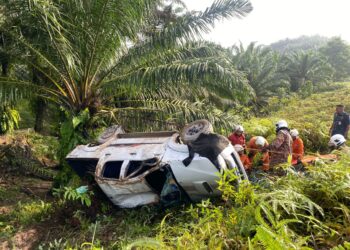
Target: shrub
35, 211
9, 119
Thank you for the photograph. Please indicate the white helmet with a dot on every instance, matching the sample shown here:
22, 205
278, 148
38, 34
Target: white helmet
239, 128
281, 124
336, 140
260, 141
294, 133
238, 148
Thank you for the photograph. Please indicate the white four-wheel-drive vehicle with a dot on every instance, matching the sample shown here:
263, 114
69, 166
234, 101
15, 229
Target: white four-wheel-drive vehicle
143, 168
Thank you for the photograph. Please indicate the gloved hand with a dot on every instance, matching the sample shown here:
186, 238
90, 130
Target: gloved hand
82, 189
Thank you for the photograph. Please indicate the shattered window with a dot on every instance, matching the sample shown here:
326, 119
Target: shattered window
112, 169
138, 167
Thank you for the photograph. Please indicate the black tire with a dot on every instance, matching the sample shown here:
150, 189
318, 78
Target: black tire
109, 133
192, 130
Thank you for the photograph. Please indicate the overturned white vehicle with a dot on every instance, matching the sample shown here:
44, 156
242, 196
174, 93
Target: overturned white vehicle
135, 169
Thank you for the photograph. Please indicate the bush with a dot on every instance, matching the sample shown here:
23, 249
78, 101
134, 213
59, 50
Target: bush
296, 211
9, 119
35, 211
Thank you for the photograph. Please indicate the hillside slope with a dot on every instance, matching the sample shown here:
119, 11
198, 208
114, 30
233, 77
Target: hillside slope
312, 116
294, 211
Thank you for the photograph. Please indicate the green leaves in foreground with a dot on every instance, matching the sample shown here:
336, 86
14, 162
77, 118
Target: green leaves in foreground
297, 211
75, 194
9, 119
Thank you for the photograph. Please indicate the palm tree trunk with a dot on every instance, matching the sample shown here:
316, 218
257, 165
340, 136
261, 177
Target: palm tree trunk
39, 110
39, 105
4, 67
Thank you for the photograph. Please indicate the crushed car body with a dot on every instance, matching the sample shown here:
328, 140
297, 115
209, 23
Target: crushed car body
136, 169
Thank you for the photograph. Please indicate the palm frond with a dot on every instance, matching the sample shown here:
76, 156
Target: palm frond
148, 114
191, 25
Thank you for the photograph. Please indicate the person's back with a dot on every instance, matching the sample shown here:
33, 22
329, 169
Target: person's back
245, 161
243, 157
281, 147
255, 145
298, 149
297, 146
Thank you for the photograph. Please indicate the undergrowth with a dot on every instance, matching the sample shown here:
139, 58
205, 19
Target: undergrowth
311, 115
297, 211
300, 210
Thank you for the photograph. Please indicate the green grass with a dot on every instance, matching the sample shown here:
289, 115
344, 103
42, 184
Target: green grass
312, 116
295, 211
33, 212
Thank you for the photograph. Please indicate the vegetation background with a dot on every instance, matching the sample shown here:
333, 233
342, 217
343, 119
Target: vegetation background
69, 69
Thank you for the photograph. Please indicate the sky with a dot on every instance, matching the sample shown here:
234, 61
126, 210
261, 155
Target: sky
273, 20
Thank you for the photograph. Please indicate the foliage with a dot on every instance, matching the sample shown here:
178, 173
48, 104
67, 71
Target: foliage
43, 147
28, 153
304, 43
337, 53
259, 65
72, 132
306, 90
304, 114
32, 212
260, 127
74, 194
344, 246
314, 134
9, 119
100, 50
280, 213
300, 210
302, 66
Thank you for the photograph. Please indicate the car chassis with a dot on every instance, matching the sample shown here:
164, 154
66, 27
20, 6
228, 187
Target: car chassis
132, 168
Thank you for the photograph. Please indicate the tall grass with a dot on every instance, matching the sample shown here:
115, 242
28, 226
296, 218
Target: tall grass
296, 211
312, 116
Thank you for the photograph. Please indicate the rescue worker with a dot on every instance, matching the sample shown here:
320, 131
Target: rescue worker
237, 137
255, 145
297, 147
244, 158
338, 142
281, 147
341, 122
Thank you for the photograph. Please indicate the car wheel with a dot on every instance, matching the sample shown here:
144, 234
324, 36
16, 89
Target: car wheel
109, 133
192, 130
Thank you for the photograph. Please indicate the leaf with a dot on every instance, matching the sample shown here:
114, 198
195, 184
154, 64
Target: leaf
289, 160
76, 121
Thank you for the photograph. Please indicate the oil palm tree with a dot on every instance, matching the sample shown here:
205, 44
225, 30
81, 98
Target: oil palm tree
302, 66
259, 64
96, 50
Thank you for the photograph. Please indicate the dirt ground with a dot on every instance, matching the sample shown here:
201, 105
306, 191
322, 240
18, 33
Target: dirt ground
23, 189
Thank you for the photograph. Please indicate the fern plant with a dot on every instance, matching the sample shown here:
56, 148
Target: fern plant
74, 194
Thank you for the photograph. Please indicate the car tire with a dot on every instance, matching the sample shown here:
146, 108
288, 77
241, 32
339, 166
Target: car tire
192, 130
109, 133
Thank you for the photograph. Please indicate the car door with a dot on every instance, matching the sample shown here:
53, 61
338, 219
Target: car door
199, 179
